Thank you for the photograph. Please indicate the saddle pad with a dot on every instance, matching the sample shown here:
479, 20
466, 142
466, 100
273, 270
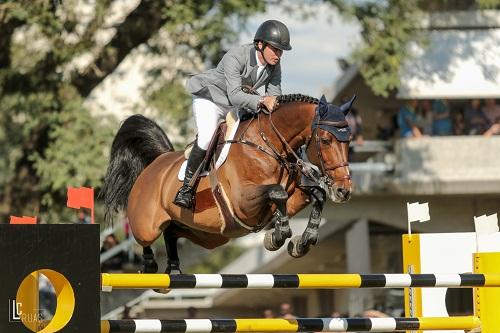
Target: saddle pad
232, 126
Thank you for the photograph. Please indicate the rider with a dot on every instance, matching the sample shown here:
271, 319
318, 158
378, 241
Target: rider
219, 90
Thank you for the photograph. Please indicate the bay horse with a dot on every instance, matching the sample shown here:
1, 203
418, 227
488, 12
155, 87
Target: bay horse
264, 178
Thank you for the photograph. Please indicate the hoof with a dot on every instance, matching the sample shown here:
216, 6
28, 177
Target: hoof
269, 242
173, 268
149, 266
296, 249
162, 291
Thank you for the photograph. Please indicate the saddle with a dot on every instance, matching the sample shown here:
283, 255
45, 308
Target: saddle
215, 157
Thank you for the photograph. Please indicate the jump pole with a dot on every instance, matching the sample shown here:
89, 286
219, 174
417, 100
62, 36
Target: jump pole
111, 281
290, 325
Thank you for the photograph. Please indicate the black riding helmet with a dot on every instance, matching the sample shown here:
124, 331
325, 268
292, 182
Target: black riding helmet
275, 33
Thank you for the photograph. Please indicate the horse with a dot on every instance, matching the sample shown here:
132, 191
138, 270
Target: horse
266, 179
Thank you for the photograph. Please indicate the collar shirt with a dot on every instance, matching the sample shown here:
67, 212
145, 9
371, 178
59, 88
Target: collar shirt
261, 65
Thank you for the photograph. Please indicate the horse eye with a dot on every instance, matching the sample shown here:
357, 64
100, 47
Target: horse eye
326, 141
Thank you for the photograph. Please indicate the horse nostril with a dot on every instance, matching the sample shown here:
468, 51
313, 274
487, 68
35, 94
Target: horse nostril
343, 193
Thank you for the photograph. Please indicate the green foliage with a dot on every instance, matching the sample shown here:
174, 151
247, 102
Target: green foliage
387, 29
49, 139
77, 153
489, 4
172, 102
207, 26
171, 99
218, 259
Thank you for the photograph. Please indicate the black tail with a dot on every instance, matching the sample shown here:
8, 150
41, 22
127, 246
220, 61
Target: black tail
138, 142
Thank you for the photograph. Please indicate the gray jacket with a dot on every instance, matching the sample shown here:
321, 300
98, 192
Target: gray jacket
238, 67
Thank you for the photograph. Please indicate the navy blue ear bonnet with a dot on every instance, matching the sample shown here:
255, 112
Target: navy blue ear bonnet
332, 119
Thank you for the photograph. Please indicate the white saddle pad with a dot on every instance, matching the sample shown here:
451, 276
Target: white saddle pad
222, 157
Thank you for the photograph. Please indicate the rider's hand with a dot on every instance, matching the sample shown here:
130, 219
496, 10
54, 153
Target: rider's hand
269, 102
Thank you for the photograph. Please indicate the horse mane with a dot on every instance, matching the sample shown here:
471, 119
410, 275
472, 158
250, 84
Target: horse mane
297, 98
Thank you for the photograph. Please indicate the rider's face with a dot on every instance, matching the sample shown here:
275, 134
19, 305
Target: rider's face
272, 54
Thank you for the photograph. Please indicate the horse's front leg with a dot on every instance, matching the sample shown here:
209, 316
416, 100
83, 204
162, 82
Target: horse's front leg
275, 238
300, 245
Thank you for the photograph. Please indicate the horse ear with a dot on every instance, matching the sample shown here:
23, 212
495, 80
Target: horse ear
346, 107
322, 101
323, 105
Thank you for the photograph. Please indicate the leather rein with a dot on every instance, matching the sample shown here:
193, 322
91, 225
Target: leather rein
299, 163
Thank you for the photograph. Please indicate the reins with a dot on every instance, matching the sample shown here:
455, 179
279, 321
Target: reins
271, 150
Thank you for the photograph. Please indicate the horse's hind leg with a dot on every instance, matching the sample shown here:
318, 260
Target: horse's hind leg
274, 239
149, 264
300, 245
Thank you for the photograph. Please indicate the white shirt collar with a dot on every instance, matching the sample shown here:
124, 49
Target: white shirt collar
258, 60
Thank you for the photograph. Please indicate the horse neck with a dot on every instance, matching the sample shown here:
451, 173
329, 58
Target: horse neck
293, 120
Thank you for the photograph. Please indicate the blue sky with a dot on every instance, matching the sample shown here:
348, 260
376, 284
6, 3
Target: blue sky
311, 66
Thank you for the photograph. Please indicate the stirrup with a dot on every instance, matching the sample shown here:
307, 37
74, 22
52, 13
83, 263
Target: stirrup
184, 197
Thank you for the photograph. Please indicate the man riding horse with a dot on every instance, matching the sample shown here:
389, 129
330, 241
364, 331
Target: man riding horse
260, 182
219, 91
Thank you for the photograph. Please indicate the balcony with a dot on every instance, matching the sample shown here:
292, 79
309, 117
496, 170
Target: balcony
429, 166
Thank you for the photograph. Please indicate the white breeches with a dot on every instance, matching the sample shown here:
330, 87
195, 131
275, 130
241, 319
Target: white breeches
207, 115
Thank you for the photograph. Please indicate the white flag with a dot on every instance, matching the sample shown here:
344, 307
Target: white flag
418, 212
486, 224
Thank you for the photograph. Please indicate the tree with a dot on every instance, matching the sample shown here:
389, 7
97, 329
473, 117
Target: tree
388, 27
51, 58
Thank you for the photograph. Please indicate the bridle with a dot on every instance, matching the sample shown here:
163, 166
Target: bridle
329, 181
299, 163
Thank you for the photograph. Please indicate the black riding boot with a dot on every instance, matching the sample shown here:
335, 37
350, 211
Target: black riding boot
184, 198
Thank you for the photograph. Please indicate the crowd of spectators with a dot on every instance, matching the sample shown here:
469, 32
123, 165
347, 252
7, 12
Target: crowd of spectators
417, 118
440, 117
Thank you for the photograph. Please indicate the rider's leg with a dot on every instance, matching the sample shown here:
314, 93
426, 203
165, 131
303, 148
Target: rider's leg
206, 115
184, 196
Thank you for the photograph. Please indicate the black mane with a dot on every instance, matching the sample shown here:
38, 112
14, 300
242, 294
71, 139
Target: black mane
297, 98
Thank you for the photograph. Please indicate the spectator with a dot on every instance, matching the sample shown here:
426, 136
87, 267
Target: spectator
458, 123
115, 262
407, 120
424, 117
441, 118
494, 129
386, 124
126, 227
126, 312
192, 312
491, 110
336, 314
82, 217
268, 313
355, 123
476, 121
374, 314
286, 311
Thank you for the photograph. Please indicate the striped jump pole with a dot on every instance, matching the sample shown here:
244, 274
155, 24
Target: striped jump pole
290, 325
301, 281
